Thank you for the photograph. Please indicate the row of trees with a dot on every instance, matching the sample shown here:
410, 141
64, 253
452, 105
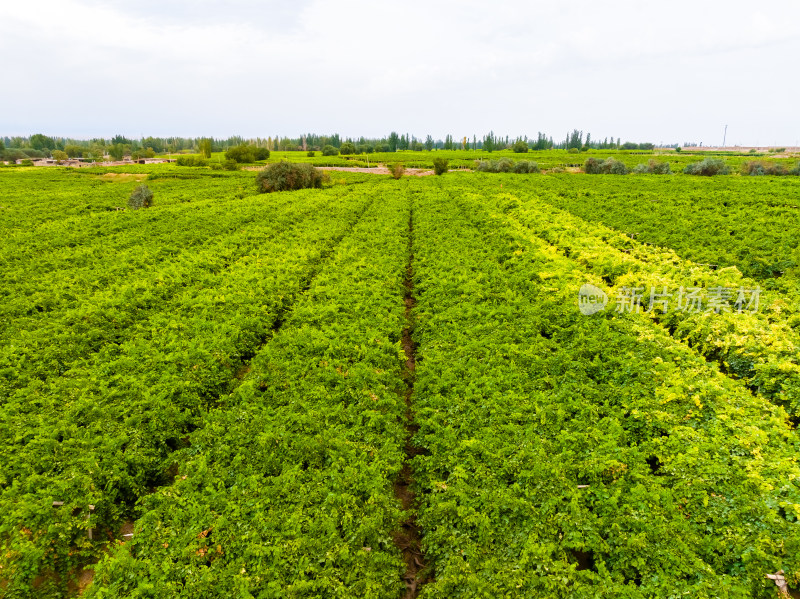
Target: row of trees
40, 145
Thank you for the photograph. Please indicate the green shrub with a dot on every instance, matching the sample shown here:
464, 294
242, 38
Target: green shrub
708, 167
396, 170
526, 166
574, 151
796, 170
679, 149
311, 153
14, 154
241, 153
330, 151
231, 165
506, 165
520, 147
191, 161
440, 165
755, 168
141, 197
503, 165
653, 168
288, 176
260, 153
609, 166
347, 148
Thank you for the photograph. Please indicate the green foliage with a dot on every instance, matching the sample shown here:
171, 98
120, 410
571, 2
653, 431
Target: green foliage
757, 168
60, 156
708, 167
204, 146
116, 152
612, 166
346, 149
288, 176
141, 197
14, 154
396, 170
489, 142
440, 165
525, 167
231, 165
311, 153
330, 151
520, 146
625, 477
236, 387
244, 153
501, 165
653, 168
241, 154
42, 142
191, 161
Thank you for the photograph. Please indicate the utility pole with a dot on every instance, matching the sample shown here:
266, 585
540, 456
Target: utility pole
725, 136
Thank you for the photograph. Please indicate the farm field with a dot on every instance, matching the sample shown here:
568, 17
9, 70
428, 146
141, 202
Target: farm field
546, 159
386, 388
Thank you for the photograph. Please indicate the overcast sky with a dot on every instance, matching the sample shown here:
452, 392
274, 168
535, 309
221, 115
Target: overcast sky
671, 72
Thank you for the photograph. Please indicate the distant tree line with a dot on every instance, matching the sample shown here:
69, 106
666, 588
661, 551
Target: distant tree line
119, 146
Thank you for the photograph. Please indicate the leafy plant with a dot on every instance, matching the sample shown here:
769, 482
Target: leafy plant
288, 176
757, 168
246, 153
520, 146
330, 150
612, 166
440, 165
141, 197
653, 168
525, 166
191, 161
396, 170
708, 167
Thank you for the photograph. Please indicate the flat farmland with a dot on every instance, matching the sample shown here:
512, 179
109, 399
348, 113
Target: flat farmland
388, 388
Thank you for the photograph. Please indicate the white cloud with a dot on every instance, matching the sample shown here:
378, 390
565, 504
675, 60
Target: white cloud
640, 71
